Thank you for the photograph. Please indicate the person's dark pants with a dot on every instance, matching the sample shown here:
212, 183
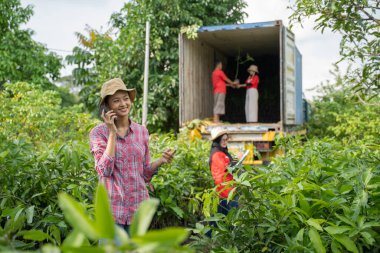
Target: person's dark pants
125, 227
224, 208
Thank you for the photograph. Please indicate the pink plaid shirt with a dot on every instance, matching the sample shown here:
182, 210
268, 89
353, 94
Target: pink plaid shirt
125, 175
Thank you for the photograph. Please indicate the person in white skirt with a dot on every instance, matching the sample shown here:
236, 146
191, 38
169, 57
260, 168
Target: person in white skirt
252, 95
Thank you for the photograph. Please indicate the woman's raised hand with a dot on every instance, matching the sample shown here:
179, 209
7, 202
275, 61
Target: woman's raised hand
109, 118
167, 156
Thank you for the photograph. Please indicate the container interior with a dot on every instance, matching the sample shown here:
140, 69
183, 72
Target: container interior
263, 45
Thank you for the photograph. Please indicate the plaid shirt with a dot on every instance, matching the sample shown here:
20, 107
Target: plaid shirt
125, 175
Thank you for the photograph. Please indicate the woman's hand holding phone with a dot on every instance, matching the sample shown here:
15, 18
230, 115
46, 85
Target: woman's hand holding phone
109, 118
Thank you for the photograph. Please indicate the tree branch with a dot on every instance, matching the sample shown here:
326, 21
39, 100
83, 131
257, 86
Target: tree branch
362, 8
366, 103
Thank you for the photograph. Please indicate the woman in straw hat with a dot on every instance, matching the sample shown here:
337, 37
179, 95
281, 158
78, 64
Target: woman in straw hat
121, 151
220, 159
252, 96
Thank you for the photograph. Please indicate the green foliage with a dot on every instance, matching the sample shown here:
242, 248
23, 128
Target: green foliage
29, 113
358, 22
123, 57
22, 58
180, 185
323, 194
41, 153
341, 113
31, 180
141, 240
101, 227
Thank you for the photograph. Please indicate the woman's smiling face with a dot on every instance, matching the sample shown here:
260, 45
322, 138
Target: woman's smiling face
120, 103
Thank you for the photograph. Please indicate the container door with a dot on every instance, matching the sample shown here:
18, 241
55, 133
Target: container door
196, 60
299, 105
289, 77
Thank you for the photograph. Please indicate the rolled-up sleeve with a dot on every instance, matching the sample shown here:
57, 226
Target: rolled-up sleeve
104, 164
148, 171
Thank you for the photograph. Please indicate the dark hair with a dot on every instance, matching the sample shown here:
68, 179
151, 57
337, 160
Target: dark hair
104, 105
217, 62
215, 147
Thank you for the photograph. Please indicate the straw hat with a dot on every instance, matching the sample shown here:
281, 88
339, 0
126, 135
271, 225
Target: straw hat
216, 132
253, 68
110, 87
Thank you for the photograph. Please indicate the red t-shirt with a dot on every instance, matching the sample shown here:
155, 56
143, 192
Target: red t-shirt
252, 82
219, 81
219, 164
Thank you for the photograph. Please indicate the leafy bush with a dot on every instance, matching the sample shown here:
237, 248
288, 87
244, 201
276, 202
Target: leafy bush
181, 184
340, 112
42, 153
323, 195
30, 113
89, 230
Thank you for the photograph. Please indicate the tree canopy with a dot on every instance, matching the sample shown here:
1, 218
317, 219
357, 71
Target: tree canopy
123, 56
358, 22
22, 58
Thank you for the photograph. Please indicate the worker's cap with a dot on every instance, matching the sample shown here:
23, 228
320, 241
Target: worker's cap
253, 68
110, 87
216, 132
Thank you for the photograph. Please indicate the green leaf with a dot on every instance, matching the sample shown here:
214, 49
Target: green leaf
143, 217
368, 237
35, 235
83, 249
167, 237
371, 224
121, 235
346, 220
345, 188
367, 177
231, 194
335, 247
29, 214
315, 223
76, 216
299, 236
316, 241
332, 230
48, 248
177, 210
105, 224
346, 242
304, 204
75, 239
56, 233
246, 183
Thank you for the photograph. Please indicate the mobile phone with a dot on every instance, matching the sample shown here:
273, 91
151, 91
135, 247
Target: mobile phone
104, 108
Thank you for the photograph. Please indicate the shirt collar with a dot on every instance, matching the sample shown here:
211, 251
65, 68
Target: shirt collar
132, 126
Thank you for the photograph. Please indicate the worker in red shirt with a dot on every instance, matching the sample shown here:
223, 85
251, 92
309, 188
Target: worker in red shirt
219, 161
219, 80
252, 96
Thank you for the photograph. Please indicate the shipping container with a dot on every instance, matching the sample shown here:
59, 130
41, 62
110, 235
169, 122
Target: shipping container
270, 46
